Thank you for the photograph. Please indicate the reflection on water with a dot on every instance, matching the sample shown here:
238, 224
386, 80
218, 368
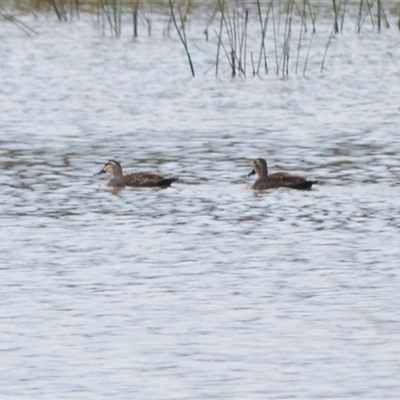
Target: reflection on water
205, 289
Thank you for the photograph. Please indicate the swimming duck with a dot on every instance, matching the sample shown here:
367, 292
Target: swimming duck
279, 179
138, 179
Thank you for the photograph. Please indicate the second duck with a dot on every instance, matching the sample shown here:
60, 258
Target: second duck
138, 179
276, 180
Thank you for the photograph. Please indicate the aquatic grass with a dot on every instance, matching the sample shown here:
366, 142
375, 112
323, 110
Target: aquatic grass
282, 44
326, 48
287, 39
111, 11
398, 20
210, 22
361, 17
181, 31
303, 25
336, 12
59, 9
135, 12
21, 25
226, 24
263, 24
343, 14
219, 35
234, 24
275, 38
308, 54
147, 18
382, 13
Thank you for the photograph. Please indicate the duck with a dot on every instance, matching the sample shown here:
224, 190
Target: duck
278, 179
138, 179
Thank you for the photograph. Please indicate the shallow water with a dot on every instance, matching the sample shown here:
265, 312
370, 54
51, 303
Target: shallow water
205, 289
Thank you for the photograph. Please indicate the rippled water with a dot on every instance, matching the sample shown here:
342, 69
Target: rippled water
206, 289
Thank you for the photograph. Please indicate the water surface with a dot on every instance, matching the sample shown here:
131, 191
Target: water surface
206, 289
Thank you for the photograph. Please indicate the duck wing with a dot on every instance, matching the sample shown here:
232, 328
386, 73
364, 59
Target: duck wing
283, 179
146, 179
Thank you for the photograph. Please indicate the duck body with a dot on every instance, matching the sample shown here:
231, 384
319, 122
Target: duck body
277, 180
138, 179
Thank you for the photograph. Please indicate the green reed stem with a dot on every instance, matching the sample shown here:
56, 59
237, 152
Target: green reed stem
326, 48
303, 14
371, 17
252, 64
73, 9
135, 14
358, 25
287, 39
308, 55
235, 28
210, 22
246, 20
336, 12
21, 25
117, 11
229, 57
112, 12
398, 21
229, 29
382, 12
263, 24
343, 14
233, 64
59, 9
219, 41
361, 19
275, 43
182, 36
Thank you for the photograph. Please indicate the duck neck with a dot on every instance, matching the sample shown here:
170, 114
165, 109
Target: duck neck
263, 173
117, 172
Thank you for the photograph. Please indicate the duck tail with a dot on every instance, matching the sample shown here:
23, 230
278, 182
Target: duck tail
166, 182
304, 185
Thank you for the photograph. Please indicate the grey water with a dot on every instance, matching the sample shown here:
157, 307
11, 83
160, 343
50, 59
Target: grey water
205, 290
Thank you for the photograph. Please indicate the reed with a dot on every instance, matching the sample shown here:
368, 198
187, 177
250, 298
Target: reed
21, 25
181, 31
275, 38
219, 35
135, 12
336, 12
243, 42
59, 9
284, 29
362, 17
308, 54
234, 25
326, 48
287, 39
398, 21
111, 11
382, 15
303, 25
343, 14
210, 22
263, 24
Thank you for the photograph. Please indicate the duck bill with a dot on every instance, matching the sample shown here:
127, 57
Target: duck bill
252, 172
100, 172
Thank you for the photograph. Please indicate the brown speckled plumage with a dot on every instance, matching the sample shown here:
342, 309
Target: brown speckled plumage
138, 179
277, 180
